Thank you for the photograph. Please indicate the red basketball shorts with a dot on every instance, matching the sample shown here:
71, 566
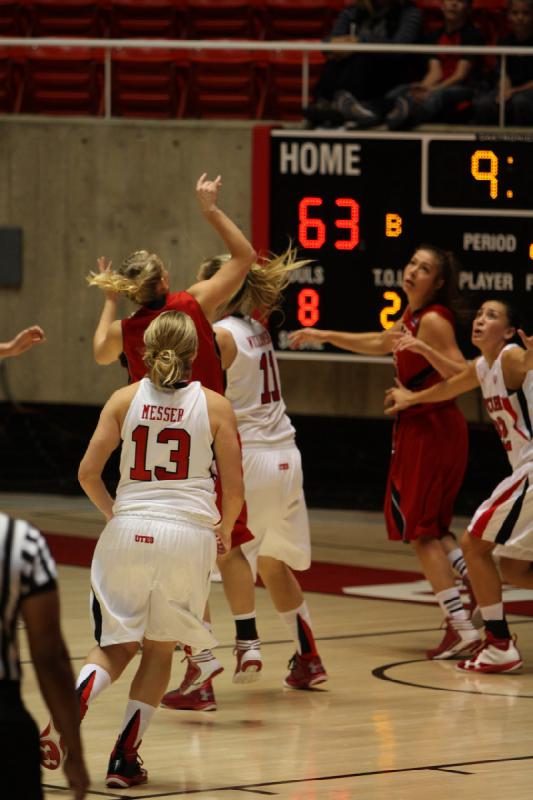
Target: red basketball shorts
429, 455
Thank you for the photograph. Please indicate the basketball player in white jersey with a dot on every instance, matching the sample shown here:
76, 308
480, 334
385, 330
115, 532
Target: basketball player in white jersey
277, 514
151, 569
503, 524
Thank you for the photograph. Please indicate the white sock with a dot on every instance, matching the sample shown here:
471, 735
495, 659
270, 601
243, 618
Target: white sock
137, 717
451, 604
457, 560
306, 642
96, 679
493, 612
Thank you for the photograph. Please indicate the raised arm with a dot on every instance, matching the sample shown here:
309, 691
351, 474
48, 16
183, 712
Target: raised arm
105, 439
225, 283
229, 462
51, 660
400, 398
517, 362
22, 341
107, 339
436, 342
374, 344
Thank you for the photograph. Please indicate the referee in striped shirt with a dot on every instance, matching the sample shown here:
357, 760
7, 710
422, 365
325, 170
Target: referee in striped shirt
28, 587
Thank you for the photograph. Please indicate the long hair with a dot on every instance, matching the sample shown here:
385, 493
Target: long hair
263, 285
448, 294
138, 277
170, 343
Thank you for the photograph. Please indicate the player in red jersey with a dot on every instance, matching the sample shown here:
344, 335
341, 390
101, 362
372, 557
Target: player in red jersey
143, 278
430, 443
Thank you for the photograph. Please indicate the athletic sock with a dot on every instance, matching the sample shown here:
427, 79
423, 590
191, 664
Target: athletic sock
495, 622
457, 560
92, 680
298, 622
137, 717
451, 603
245, 626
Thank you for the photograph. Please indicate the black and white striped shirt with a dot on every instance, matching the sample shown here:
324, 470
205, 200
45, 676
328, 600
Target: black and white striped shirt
26, 568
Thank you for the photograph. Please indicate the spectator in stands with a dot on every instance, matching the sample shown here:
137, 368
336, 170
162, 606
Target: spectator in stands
351, 84
518, 78
448, 81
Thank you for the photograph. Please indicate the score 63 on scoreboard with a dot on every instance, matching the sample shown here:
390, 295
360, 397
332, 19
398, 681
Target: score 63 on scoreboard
357, 205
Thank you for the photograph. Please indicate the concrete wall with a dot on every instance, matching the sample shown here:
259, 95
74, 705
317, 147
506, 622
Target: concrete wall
87, 188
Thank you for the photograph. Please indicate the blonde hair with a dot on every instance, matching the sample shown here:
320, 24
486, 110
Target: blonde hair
262, 287
138, 277
170, 343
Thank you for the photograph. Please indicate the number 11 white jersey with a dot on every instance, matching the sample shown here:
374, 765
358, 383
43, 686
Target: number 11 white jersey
254, 387
166, 458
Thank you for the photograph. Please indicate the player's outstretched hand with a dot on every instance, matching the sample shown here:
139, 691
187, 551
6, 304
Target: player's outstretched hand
23, 341
397, 398
207, 191
303, 335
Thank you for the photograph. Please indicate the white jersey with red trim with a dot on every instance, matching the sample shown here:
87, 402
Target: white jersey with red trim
511, 412
253, 386
165, 464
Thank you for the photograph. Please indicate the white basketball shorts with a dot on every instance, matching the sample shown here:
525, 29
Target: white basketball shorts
506, 517
150, 578
277, 514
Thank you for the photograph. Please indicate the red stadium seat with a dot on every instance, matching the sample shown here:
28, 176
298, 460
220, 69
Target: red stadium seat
225, 84
162, 19
72, 18
147, 83
287, 19
284, 83
12, 19
63, 80
10, 82
219, 19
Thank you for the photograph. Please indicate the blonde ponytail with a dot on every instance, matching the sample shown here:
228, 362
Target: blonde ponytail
138, 277
171, 343
264, 284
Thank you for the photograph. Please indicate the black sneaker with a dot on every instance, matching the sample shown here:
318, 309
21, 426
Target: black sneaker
125, 769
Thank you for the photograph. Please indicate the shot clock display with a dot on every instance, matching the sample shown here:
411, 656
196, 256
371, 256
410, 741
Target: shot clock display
357, 204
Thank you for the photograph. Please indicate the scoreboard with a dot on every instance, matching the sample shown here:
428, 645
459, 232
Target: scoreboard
356, 204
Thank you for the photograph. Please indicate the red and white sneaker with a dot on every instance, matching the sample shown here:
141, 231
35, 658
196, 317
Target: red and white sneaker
201, 669
53, 751
200, 700
460, 636
249, 663
125, 769
494, 655
305, 672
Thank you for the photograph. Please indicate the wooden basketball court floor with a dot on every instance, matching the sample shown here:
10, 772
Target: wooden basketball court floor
387, 724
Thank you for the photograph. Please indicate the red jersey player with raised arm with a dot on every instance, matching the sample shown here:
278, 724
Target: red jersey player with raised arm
143, 278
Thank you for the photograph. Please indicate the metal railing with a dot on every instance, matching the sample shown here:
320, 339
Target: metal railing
303, 47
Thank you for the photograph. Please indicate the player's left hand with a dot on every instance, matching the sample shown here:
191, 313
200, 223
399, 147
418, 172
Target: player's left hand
406, 341
397, 398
